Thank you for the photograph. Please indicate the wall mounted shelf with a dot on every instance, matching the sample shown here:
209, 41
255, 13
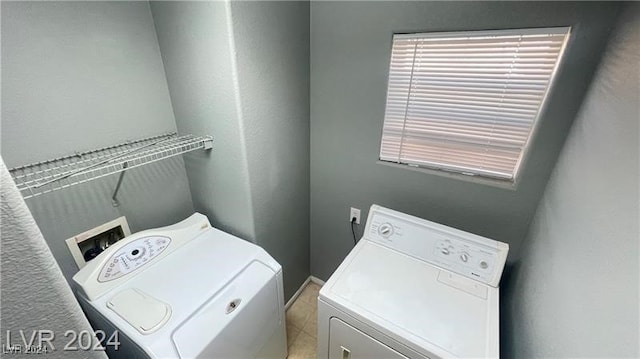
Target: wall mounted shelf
51, 175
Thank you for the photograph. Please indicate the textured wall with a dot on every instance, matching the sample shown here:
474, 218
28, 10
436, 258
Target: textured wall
82, 75
350, 49
575, 293
272, 55
196, 50
35, 295
240, 72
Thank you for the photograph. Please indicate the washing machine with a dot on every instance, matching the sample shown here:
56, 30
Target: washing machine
412, 288
185, 291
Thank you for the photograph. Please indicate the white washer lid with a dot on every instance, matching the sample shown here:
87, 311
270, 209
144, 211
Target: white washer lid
409, 300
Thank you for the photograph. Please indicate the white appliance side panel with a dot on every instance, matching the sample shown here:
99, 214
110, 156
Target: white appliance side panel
347, 342
127, 348
240, 321
403, 294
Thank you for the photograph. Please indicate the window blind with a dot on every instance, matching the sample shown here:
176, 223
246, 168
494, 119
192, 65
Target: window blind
467, 101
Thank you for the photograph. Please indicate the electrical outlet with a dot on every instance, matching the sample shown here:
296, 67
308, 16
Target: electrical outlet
355, 212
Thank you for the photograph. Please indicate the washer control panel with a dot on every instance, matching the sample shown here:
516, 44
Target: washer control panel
123, 260
460, 252
133, 256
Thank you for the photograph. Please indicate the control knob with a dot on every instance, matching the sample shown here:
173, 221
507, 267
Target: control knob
386, 230
446, 247
464, 257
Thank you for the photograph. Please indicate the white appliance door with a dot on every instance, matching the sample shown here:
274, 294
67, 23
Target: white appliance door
243, 320
347, 342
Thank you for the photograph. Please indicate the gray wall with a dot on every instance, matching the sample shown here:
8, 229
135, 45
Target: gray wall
350, 49
82, 75
79, 75
272, 53
196, 50
240, 72
575, 293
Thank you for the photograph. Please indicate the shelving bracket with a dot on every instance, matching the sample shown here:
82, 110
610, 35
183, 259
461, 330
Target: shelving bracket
114, 198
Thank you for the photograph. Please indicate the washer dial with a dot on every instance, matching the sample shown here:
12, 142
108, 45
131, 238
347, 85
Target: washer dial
386, 230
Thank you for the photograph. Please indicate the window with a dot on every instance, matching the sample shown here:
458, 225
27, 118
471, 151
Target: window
467, 102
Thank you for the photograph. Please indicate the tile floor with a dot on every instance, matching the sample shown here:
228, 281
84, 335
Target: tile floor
302, 320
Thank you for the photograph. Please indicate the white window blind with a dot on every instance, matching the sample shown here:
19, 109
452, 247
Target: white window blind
467, 101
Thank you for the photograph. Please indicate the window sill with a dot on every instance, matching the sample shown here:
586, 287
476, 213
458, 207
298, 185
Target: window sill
504, 184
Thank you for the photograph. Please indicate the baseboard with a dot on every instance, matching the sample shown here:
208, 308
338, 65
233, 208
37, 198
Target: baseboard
297, 294
317, 280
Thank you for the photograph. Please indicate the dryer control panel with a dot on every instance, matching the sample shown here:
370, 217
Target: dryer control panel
464, 253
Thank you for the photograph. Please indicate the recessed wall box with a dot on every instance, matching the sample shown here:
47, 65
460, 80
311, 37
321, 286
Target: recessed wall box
86, 245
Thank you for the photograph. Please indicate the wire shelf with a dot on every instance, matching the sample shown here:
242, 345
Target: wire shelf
47, 176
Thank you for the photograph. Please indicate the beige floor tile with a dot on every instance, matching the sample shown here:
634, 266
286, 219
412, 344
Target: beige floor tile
302, 319
310, 294
304, 347
298, 314
292, 334
311, 326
